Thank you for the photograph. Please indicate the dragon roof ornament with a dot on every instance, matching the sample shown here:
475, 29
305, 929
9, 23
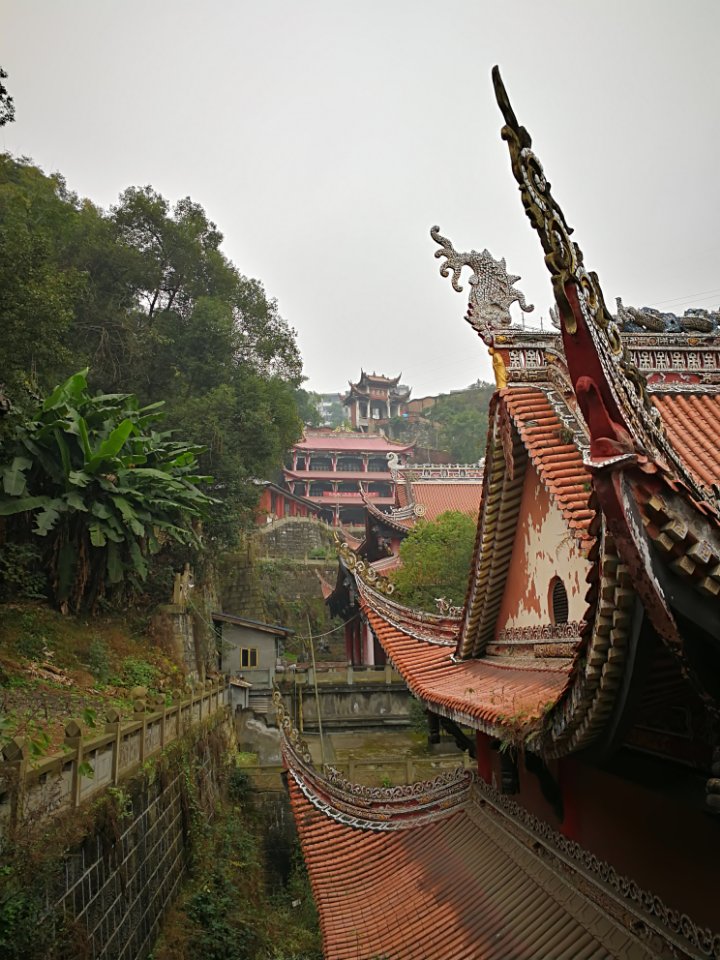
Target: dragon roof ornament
649, 320
492, 290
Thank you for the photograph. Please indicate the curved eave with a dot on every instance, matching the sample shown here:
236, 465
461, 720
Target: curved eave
401, 526
498, 699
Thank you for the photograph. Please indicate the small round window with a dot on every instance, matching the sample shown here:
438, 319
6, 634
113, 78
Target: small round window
558, 601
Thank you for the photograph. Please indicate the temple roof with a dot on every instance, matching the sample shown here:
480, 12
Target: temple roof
345, 441
437, 497
692, 422
440, 868
488, 693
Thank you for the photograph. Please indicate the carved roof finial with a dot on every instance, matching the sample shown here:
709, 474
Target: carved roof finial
491, 287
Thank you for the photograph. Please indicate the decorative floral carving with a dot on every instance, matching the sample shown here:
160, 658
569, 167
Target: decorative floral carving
285, 724
542, 631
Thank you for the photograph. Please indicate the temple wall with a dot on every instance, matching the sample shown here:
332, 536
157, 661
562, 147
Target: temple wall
542, 549
650, 834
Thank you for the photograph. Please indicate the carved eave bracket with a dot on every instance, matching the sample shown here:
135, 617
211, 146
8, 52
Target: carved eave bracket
492, 290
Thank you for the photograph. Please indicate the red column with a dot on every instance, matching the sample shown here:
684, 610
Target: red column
484, 756
567, 773
357, 644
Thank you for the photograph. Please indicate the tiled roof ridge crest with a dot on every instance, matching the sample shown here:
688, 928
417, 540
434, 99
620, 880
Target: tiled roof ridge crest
436, 629
604, 376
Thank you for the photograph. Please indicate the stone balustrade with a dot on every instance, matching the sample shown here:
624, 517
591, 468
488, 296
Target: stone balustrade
90, 763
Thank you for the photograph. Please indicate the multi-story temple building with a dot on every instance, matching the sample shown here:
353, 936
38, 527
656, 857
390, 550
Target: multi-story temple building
422, 492
581, 672
374, 400
340, 470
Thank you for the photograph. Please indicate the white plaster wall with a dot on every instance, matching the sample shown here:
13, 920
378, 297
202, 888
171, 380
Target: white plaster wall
543, 549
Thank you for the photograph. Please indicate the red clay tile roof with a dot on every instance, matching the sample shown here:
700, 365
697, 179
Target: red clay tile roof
358, 442
327, 588
484, 693
553, 447
402, 493
692, 424
438, 878
437, 497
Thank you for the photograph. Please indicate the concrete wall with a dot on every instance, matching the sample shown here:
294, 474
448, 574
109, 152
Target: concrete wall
120, 899
116, 888
345, 707
235, 637
113, 888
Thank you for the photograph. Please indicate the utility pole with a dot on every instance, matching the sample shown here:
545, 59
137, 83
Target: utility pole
317, 694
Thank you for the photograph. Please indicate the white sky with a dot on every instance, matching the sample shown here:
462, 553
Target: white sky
326, 137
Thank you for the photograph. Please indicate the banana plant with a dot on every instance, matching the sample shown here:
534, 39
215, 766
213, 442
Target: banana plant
104, 488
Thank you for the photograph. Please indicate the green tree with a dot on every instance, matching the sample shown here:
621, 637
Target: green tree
7, 106
460, 421
144, 297
456, 424
436, 558
307, 406
102, 486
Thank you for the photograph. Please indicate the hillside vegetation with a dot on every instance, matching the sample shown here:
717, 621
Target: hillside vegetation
457, 424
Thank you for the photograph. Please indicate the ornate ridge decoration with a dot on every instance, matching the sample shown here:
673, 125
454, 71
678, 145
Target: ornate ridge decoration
491, 287
538, 632
650, 320
438, 629
446, 608
570, 280
288, 731
384, 809
660, 920
369, 808
362, 570
611, 389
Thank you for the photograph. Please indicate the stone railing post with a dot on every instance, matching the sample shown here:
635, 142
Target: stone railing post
388, 673
73, 741
409, 770
161, 707
15, 753
114, 725
140, 715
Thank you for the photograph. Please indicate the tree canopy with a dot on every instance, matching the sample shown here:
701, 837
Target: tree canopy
144, 297
457, 424
436, 558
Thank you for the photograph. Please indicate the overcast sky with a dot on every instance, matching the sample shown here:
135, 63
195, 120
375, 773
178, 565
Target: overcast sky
326, 137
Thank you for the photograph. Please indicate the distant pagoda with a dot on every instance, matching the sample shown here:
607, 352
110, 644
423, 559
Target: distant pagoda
374, 400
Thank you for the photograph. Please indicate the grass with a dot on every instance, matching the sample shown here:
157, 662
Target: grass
54, 668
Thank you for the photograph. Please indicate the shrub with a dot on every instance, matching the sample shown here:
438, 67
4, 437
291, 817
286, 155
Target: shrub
19, 576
